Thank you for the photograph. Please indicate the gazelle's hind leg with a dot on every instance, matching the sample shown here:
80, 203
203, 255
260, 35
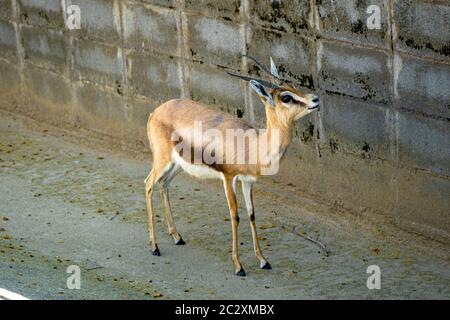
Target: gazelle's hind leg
158, 170
247, 192
164, 192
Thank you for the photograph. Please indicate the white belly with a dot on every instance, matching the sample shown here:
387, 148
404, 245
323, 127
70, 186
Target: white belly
197, 170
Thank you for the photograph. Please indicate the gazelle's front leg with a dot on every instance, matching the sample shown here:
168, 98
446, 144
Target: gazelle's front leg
247, 191
232, 205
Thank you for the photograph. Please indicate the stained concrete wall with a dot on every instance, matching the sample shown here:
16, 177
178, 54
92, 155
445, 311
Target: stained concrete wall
380, 146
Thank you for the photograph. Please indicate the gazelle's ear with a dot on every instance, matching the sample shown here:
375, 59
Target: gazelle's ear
273, 69
262, 92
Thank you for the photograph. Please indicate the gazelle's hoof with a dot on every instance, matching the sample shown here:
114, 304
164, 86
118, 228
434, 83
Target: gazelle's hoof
180, 242
156, 252
266, 266
241, 273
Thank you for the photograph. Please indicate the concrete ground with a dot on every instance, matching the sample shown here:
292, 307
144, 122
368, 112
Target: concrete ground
62, 203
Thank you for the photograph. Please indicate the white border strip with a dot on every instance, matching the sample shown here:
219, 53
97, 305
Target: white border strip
8, 295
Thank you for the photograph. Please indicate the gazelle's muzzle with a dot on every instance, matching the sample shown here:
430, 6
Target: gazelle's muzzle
314, 102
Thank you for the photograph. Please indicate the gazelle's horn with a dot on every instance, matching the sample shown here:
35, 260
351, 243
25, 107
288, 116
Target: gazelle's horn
265, 83
261, 67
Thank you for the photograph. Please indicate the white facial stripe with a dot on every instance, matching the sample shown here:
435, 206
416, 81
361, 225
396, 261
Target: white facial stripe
293, 95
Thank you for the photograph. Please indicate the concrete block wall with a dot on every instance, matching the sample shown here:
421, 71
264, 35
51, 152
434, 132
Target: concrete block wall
379, 145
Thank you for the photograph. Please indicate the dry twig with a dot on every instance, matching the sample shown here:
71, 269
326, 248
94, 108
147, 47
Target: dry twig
304, 235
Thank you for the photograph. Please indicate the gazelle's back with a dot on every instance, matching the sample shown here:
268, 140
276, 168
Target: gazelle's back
183, 113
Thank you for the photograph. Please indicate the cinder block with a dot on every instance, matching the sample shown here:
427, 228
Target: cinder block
215, 41
424, 87
300, 167
355, 127
150, 28
214, 87
100, 20
10, 83
153, 76
48, 97
424, 192
139, 110
422, 27
102, 111
45, 48
10, 75
424, 143
98, 63
41, 13
7, 41
291, 53
351, 182
228, 10
421, 192
356, 72
101, 103
6, 10
306, 132
286, 15
347, 20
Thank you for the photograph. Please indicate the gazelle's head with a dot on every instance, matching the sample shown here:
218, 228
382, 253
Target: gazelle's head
286, 102
283, 100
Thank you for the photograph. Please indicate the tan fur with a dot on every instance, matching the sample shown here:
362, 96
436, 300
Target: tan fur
179, 116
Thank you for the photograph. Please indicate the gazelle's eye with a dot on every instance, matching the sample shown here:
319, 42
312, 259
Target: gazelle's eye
286, 98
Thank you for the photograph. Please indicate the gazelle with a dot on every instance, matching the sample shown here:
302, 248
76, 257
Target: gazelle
284, 104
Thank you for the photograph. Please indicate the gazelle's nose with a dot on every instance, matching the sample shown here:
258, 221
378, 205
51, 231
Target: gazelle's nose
315, 101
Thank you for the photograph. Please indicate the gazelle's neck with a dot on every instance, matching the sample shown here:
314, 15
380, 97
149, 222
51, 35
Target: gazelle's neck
277, 136
279, 127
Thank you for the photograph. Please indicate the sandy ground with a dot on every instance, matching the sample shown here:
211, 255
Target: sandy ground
62, 203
